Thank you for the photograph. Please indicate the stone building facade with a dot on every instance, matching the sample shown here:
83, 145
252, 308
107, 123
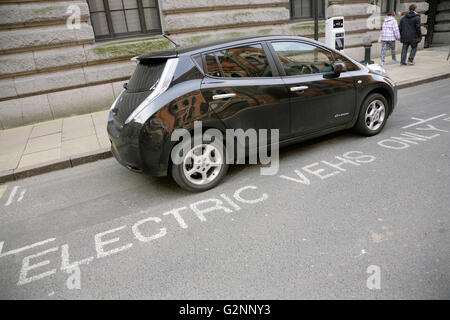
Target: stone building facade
62, 58
438, 23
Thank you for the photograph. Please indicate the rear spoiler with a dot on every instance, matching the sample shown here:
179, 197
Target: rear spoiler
157, 55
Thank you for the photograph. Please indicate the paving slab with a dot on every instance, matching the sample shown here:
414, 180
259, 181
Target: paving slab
14, 140
104, 141
39, 157
43, 143
10, 161
46, 128
78, 126
79, 145
100, 120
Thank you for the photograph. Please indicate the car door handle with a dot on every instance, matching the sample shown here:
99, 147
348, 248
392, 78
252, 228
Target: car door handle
224, 96
301, 88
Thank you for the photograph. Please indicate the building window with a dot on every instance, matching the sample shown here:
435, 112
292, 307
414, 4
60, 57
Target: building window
304, 9
386, 5
124, 18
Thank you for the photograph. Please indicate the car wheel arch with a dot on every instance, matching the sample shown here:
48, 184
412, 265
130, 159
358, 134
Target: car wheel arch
385, 92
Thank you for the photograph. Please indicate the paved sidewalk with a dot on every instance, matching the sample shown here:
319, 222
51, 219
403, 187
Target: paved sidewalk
63, 143
430, 64
50, 145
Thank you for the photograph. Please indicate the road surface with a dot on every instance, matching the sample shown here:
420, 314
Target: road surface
346, 217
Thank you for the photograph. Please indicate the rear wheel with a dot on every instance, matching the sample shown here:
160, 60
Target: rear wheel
373, 115
202, 167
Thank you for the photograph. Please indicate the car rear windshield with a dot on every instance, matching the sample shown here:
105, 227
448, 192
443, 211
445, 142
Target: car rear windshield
147, 73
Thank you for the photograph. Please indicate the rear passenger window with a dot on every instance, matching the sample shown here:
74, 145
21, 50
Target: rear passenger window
240, 62
211, 65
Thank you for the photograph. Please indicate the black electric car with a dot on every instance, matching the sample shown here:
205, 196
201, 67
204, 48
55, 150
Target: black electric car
296, 85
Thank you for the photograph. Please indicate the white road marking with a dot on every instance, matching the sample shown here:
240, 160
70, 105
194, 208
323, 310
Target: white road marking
303, 179
21, 195
405, 141
137, 233
317, 172
176, 214
230, 202
11, 196
431, 127
99, 243
201, 213
23, 279
355, 158
40, 243
237, 195
420, 121
138, 230
65, 259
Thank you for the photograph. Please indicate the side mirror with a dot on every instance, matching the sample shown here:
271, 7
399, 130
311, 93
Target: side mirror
339, 67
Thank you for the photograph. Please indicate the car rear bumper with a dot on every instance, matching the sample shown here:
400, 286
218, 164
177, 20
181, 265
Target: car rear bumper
127, 148
124, 147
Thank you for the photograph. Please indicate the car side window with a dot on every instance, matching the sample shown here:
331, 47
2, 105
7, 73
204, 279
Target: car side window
212, 66
299, 58
350, 65
239, 62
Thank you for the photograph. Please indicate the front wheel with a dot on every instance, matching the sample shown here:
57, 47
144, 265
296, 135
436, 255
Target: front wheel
202, 167
373, 115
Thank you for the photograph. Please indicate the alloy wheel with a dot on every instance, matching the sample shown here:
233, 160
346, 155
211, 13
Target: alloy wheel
375, 114
202, 164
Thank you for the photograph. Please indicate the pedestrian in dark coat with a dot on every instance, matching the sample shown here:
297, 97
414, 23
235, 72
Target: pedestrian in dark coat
410, 34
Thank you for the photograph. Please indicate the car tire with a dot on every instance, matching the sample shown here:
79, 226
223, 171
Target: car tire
372, 115
202, 167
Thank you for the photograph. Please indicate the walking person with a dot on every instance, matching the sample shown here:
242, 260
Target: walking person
389, 33
410, 34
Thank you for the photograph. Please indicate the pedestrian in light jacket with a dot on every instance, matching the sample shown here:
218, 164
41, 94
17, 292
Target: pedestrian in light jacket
389, 33
410, 34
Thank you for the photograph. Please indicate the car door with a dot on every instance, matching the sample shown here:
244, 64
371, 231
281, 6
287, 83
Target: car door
319, 98
243, 88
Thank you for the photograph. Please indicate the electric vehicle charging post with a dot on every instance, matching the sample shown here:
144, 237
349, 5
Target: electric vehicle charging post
335, 33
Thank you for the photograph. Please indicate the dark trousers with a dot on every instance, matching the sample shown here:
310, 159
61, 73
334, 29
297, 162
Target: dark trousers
384, 46
405, 51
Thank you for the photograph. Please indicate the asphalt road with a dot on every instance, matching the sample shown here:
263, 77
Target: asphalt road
294, 235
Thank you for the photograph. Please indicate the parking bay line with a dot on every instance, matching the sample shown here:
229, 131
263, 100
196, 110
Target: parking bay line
23, 248
420, 121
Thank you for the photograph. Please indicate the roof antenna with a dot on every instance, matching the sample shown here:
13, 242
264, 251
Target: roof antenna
165, 36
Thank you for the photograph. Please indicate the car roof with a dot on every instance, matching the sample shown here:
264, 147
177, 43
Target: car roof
215, 45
